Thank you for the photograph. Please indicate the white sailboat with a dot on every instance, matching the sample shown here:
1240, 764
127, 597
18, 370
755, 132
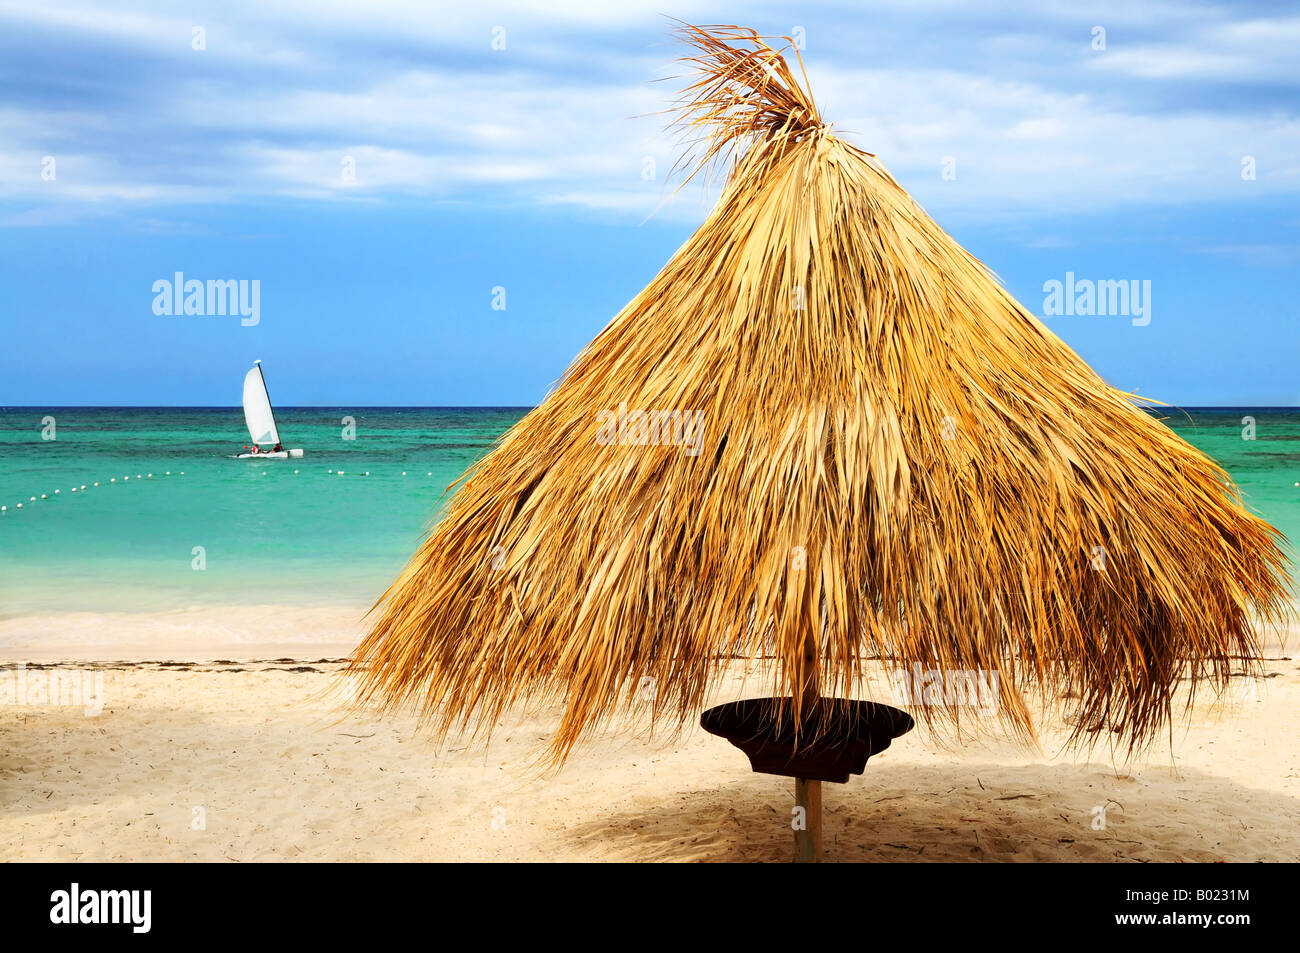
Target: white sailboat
261, 419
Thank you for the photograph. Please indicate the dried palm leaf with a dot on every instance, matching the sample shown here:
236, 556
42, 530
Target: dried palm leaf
893, 459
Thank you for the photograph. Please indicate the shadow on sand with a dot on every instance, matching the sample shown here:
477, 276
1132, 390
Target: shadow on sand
985, 812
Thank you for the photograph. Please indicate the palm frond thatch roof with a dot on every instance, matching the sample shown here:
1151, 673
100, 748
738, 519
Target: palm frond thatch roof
893, 458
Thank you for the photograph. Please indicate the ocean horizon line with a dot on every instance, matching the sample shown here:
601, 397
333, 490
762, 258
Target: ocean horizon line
225, 407
344, 406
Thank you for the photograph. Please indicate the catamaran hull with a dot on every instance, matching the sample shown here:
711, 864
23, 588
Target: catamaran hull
279, 455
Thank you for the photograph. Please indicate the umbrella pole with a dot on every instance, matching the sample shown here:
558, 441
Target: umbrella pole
807, 792
808, 843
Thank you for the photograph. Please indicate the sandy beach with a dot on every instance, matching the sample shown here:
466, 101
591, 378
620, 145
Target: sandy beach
199, 633
247, 754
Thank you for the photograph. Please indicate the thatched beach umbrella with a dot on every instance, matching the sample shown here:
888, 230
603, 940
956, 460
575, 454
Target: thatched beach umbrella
824, 433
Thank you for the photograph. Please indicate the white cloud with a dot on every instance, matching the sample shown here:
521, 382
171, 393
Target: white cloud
566, 114
1258, 254
1245, 51
1021, 147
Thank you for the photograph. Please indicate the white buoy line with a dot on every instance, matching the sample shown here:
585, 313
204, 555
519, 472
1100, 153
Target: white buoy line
83, 487
334, 472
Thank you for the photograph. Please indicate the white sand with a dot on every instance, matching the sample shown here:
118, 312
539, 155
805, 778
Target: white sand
258, 747
197, 634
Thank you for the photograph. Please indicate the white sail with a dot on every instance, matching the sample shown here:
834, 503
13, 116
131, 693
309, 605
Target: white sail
257, 409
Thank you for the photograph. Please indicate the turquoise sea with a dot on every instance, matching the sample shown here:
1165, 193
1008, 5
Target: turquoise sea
292, 532
271, 531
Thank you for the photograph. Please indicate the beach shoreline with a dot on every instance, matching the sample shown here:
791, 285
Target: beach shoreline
205, 633
194, 634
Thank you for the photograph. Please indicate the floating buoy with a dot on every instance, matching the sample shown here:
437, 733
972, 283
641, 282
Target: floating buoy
113, 480
151, 476
44, 497
56, 492
32, 500
125, 478
83, 486
3, 508
367, 473
340, 473
430, 473
295, 471
138, 477
403, 473
74, 490
168, 473
20, 506
1296, 484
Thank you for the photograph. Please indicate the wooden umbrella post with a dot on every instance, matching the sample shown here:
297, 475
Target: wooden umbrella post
808, 842
807, 792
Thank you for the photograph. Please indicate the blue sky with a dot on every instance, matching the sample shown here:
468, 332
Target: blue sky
524, 168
